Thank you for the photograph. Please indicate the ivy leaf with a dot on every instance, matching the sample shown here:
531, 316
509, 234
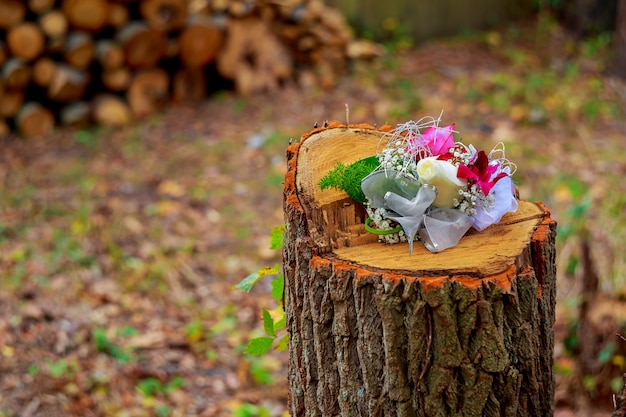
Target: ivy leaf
278, 286
248, 282
276, 237
282, 343
268, 323
259, 346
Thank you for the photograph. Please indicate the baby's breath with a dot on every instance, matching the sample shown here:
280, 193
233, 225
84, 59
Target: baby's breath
379, 219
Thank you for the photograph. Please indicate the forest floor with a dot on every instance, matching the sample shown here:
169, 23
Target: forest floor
119, 248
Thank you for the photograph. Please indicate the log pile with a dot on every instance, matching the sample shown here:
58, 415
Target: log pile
75, 62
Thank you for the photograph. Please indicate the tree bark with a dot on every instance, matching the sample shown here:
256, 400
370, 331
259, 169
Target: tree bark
378, 332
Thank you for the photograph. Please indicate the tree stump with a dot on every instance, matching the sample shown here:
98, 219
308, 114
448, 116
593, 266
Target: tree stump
378, 332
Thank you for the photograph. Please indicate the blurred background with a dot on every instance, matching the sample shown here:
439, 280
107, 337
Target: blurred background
142, 159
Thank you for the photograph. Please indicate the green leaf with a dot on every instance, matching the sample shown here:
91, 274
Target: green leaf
162, 411
259, 346
282, 343
268, 323
127, 331
100, 339
348, 178
276, 237
149, 387
281, 323
278, 286
248, 282
58, 368
174, 384
605, 355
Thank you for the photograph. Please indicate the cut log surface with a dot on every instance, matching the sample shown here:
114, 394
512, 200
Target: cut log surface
143, 46
40, 6
43, 71
117, 79
16, 74
12, 13
34, 120
80, 50
118, 15
10, 102
376, 331
148, 91
110, 54
110, 110
26, 41
68, 84
200, 42
253, 57
164, 15
89, 15
53, 24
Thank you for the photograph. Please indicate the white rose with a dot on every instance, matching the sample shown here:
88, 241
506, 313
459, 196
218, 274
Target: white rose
442, 175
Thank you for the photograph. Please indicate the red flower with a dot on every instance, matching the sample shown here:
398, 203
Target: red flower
480, 172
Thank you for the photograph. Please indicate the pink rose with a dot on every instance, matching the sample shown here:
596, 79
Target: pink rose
435, 141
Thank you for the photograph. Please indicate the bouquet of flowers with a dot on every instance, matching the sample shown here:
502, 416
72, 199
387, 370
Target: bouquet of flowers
422, 185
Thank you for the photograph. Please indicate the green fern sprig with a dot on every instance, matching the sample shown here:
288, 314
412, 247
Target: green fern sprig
348, 178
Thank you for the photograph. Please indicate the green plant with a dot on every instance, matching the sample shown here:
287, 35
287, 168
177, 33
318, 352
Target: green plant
251, 410
273, 324
105, 345
151, 387
62, 368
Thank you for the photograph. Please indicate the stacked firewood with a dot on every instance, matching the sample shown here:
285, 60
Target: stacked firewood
77, 62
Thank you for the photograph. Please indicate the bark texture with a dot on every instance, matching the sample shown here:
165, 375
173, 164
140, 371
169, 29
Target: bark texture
372, 341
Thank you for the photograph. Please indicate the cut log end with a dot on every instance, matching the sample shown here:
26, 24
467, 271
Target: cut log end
148, 92
88, 15
164, 15
254, 57
34, 120
26, 41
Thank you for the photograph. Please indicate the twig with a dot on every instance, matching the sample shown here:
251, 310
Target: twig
619, 403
